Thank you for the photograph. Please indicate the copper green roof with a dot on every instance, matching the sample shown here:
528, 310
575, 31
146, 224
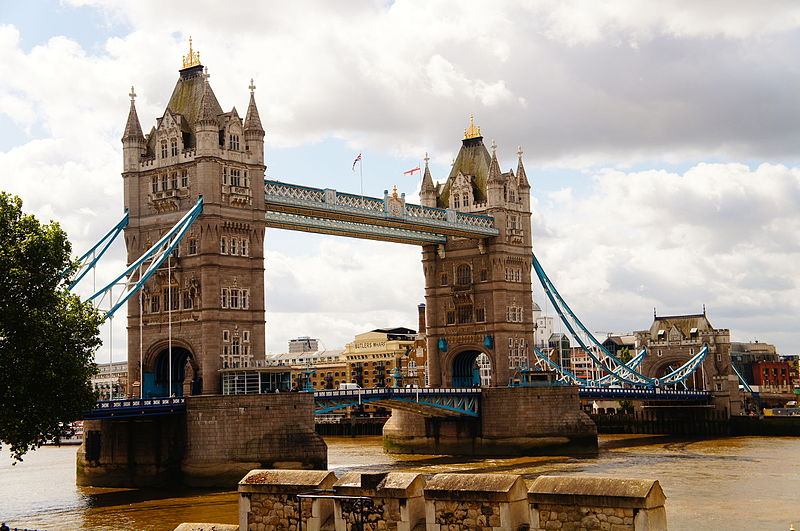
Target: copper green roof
188, 94
473, 159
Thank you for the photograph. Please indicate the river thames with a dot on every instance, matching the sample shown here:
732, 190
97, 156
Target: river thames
727, 483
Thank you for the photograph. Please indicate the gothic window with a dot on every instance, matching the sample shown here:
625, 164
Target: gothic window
188, 303
517, 352
192, 246
173, 144
234, 299
223, 245
246, 182
226, 335
155, 304
233, 142
224, 298
512, 196
451, 317
480, 315
514, 314
513, 222
234, 246
484, 275
244, 247
246, 339
171, 300
456, 203
513, 274
185, 179
224, 175
464, 314
236, 179
444, 279
154, 184
174, 181
235, 346
245, 298
466, 200
163, 149
164, 182
463, 275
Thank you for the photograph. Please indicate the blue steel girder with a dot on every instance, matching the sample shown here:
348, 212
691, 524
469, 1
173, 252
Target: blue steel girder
427, 402
389, 212
337, 227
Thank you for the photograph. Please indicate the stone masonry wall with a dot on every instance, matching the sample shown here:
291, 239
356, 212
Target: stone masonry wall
467, 514
227, 436
572, 518
276, 511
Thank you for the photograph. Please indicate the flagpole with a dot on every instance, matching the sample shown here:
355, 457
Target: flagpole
361, 172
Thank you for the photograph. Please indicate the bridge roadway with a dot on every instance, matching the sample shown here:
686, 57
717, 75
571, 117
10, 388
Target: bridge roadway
424, 401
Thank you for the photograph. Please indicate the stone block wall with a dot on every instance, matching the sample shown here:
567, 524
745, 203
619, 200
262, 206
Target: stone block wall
482, 502
229, 435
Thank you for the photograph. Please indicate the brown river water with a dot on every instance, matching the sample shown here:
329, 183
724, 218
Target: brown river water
720, 484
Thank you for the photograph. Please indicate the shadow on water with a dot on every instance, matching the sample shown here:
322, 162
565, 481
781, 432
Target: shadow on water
117, 497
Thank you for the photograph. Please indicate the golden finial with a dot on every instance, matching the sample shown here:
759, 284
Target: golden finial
472, 131
192, 58
394, 192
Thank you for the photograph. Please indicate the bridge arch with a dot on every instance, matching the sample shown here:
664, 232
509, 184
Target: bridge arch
462, 367
661, 366
186, 377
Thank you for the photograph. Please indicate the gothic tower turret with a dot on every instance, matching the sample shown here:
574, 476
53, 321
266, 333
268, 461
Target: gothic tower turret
427, 191
133, 143
253, 131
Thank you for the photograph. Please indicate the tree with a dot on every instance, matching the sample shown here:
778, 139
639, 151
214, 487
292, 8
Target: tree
47, 336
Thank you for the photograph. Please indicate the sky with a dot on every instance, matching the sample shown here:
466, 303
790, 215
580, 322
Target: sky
661, 144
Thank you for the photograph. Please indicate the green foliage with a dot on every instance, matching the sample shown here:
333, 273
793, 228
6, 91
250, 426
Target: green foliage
47, 336
624, 355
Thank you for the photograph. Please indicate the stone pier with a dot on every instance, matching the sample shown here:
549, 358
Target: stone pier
217, 441
541, 420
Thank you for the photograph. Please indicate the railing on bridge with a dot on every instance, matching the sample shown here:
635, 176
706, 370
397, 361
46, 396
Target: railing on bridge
642, 393
318, 210
136, 407
428, 401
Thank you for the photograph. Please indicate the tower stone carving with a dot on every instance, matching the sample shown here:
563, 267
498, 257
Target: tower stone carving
478, 292
204, 308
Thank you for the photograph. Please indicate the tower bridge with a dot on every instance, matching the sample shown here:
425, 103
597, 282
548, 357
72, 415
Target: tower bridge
203, 308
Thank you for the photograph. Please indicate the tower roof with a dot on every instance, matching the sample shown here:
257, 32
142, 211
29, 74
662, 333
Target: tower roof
427, 180
252, 121
133, 129
522, 178
473, 159
193, 96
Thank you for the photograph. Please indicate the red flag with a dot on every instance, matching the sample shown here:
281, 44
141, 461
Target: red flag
358, 158
411, 172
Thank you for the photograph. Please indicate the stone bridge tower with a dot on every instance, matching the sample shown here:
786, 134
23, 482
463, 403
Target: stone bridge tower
212, 289
478, 292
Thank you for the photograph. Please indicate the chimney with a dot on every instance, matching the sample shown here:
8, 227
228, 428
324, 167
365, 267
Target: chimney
422, 328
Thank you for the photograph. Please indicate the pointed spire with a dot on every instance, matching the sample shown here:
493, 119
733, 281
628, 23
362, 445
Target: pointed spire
207, 114
522, 178
427, 181
133, 129
252, 121
494, 167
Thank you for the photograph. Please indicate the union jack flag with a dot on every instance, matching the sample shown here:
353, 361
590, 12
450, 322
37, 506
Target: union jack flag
358, 158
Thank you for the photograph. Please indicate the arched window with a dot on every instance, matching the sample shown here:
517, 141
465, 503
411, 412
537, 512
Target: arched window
173, 144
455, 201
163, 149
466, 200
464, 274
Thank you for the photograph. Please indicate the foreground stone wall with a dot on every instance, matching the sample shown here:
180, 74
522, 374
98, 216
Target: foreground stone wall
514, 421
393, 501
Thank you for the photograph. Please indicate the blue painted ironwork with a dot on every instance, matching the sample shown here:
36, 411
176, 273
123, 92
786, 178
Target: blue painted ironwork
390, 218
631, 376
289, 221
643, 393
83, 267
143, 267
620, 372
138, 407
426, 401
741, 379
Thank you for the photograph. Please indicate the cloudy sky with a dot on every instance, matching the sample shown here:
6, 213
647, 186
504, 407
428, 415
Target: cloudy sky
660, 141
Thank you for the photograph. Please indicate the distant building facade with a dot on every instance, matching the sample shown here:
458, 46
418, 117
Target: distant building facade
303, 344
111, 381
